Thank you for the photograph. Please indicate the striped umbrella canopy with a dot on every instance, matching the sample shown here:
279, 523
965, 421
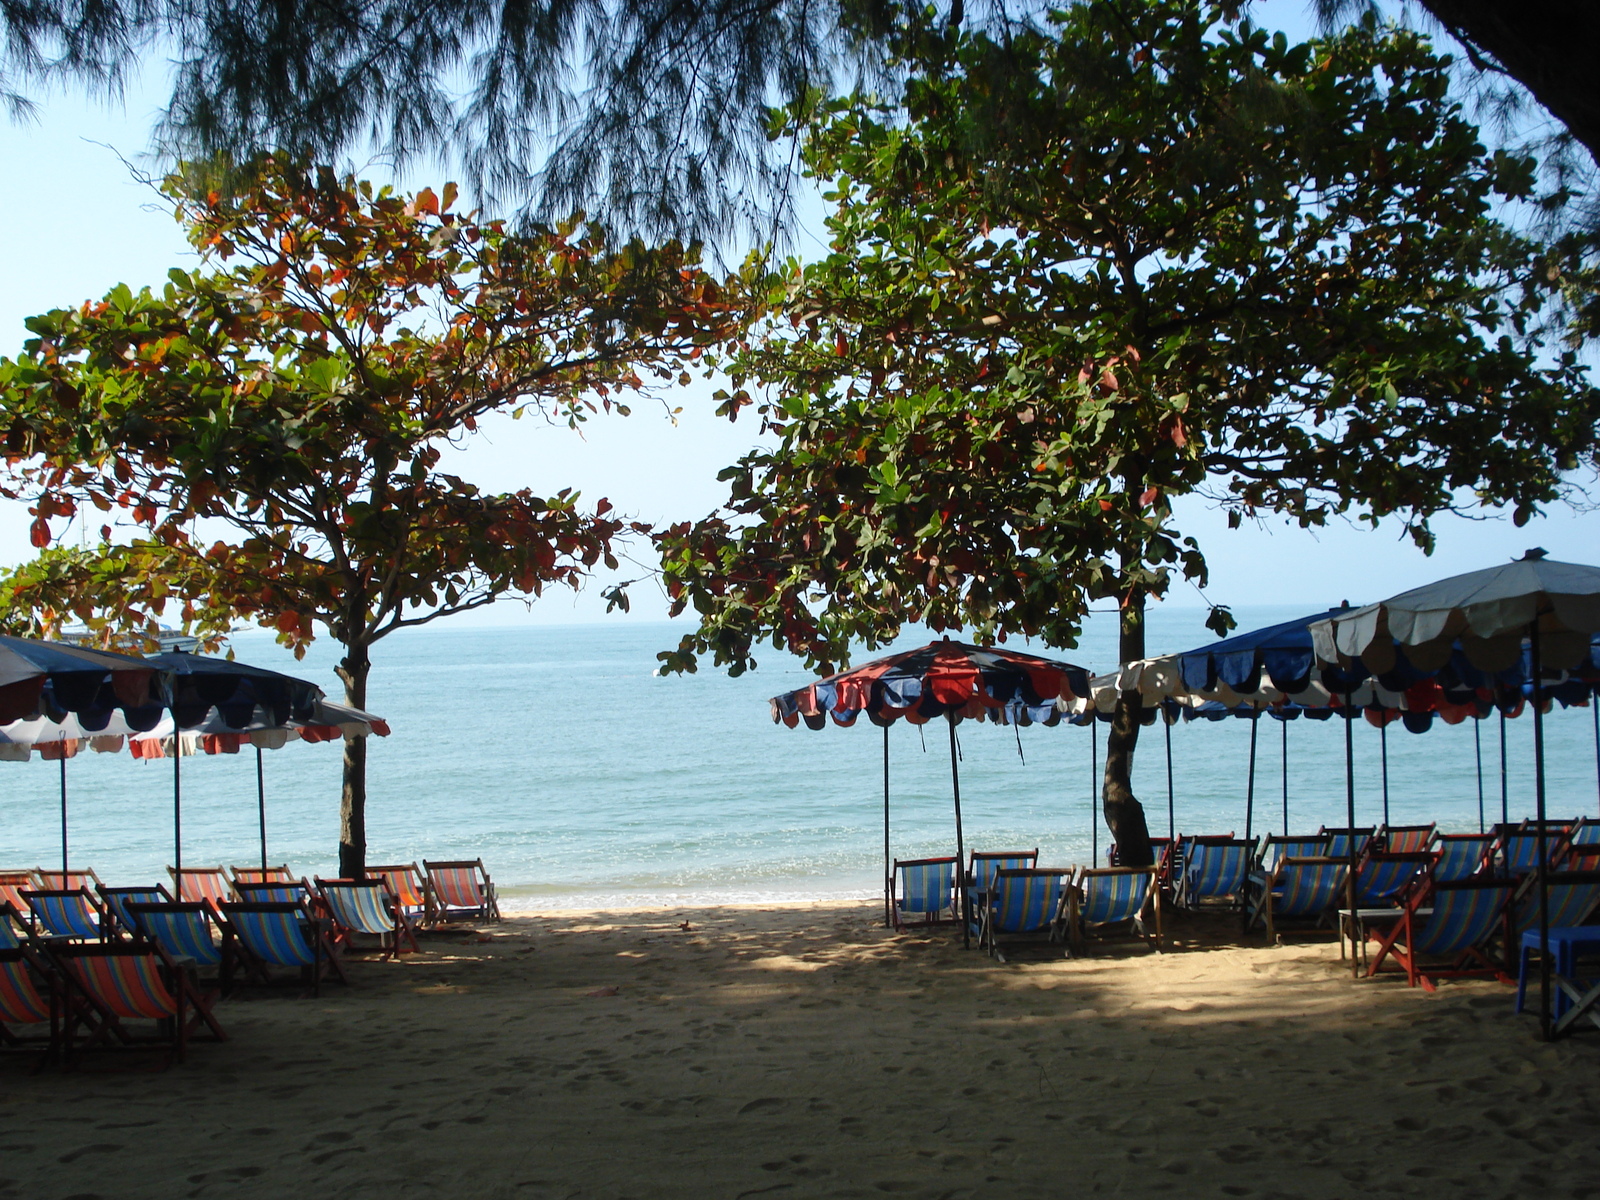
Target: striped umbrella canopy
946, 679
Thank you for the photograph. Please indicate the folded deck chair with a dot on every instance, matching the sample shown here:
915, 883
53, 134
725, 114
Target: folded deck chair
29, 996
1302, 887
981, 868
1405, 839
209, 885
1461, 855
1339, 840
924, 888
367, 906
189, 932
1213, 869
1022, 903
1382, 877
282, 935
462, 888
66, 881
1574, 895
1450, 922
72, 914
113, 983
1103, 897
117, 900
408, 885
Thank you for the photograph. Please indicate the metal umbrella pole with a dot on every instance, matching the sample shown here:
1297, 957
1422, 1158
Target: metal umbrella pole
1477, 752
1284, 730
1172, 824
961, 853
1544, 865
888, 871
1383, 753
1250, 778
63, 815
177, 809
1594, 709
1350, 824
1094, 782
1505, 793
261, 808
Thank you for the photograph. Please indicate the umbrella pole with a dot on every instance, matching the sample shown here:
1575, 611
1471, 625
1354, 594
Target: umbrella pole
1505, 795
955, 787
888, 870
261, 808
177, 808
1250, 778
1477, 752
1172, 825
1383, 754
1350, 823
1284, 730
1594, 708
63, 815
1094, 779
1544, 866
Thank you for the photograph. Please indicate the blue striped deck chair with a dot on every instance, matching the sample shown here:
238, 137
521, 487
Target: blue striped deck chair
14, 930
188, 932
1405, 839
74, 914
981, 866
1108, 896
112, 983
1214, 869
29, 996
1275, 849
1023, 903
1383, 877
924, 888
1519, 852
1339, 840
1573, 896
117, 900
294, 891
282, 935
1461, 855
1452, 923
367, 907
1301, 888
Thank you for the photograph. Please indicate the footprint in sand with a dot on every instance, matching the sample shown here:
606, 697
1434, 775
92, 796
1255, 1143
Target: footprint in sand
765, 1104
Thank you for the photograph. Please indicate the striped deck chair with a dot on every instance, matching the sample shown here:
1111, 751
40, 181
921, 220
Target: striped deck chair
1112, 896
209, 885
29, 996
925, 888
293, 891
409, 886
117, 900
1159, 847
1519, 852
189, 933
1275, 849
282, 935
981, 868
1405, 839
1025, 903
74, 914
1461, 855
367, 906
1453, 922
462, 888
277, 874
12, 885
1339, 840
1573, 896
14, 930
1301, 888
67, 881
1214, 869
117, 982
1383, 877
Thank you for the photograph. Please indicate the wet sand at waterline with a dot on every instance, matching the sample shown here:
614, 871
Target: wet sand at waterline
805, 1051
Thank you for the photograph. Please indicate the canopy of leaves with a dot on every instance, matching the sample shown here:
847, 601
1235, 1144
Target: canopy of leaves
297, 394
1177, 255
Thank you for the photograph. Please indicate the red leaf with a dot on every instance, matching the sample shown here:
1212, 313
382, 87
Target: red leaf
39, 533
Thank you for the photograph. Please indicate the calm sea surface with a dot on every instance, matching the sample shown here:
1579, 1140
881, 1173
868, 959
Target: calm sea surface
584, 780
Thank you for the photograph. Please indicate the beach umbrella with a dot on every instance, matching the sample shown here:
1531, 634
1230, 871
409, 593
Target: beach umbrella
947, 679
1554, 605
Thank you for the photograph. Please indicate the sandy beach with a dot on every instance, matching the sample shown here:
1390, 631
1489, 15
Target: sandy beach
806, 1051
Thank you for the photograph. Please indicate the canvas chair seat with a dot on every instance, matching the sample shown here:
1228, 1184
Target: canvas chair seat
924, 888
282, 935
1105, 897
74, 914
367, 907
1453, 922
1460, 855
461, 888
114, 983
1301, 888
1024, 903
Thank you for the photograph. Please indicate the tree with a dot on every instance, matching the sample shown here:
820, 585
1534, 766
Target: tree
1175, 256
299, 398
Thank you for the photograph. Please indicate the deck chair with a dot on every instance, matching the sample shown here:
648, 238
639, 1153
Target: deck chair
1275, 849
1453, 922
292, 891
29, 996
1022, 903
209, 885
924, 888
1301, 887
1339, 840
189, 932
14, 930
1573, 896
282, 935
117, 900
367, 906
1103, 897
1159, 848
409, 887
981, 867
462, 888
1383, 876
1520, 851
1461, 855
74, 914
277, 874
113, 983
66, 881
1405, 839
1213, 869
12, 885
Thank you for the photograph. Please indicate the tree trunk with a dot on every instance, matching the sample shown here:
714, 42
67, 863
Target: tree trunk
353, 802
1124, 813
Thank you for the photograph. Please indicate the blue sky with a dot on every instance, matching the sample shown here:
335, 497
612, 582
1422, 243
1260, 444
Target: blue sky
79, 224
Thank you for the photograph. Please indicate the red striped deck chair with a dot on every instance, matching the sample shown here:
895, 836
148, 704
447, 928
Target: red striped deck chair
14, 930
209, 885
74, 914
282, 935
461, 888
29, 996
12, 885
66, 881
409, 887
1451, 923
117, 900
1405, 839
277, 874
368, 907
1107, 896
114, 983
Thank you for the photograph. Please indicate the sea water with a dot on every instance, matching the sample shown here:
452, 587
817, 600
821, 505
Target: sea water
584, 779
